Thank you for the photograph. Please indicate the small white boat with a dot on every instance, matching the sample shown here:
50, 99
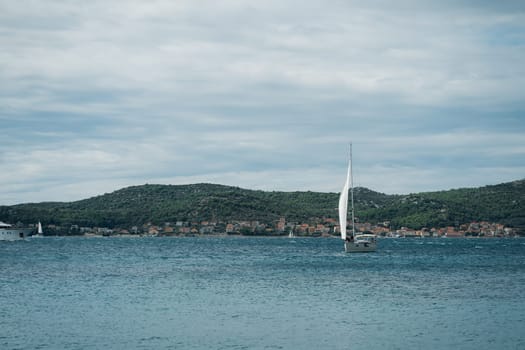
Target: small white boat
291, 234
10, 233
361, 243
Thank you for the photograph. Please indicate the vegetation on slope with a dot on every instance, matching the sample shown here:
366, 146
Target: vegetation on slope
504, 203
157, 204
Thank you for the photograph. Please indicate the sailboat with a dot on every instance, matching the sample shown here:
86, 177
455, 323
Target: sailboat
360, 243
40, 232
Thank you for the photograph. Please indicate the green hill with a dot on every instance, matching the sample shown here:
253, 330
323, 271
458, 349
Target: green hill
136, 205
504, 203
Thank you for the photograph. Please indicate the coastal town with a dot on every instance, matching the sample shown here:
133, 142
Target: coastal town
324, 227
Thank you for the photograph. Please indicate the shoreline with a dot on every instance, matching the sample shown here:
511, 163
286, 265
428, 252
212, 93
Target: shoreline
224, 235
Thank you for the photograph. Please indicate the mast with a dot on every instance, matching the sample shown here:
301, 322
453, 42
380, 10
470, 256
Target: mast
352, 192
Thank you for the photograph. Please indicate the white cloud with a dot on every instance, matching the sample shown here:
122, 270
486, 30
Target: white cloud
128, 92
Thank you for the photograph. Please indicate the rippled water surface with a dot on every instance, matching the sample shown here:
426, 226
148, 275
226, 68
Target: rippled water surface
261, 293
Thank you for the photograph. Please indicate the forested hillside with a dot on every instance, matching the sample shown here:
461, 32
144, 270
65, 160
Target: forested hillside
136, 205
504, 203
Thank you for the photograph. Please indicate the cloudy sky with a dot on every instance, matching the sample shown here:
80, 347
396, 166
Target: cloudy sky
102, 94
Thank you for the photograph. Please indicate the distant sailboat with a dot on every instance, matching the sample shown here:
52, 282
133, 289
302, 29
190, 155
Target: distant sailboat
353, 243
291, 234
40, 232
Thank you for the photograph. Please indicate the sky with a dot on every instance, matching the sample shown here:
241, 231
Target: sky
103, 94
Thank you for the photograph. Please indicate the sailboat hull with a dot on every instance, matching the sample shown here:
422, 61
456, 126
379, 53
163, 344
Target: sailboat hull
360, 247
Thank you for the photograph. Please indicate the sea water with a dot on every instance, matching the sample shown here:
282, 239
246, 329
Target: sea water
261, 293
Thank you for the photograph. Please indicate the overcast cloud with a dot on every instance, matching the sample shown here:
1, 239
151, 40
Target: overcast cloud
99, 95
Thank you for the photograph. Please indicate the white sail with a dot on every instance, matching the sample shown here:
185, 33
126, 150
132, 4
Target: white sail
343, 202
40, 231
356, 243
